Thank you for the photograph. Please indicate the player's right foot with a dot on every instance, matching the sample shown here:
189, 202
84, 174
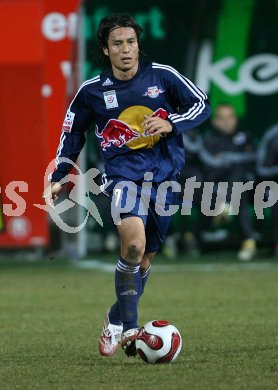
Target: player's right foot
110, 338
128, 341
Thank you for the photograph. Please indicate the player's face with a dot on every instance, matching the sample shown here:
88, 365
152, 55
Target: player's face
123, 52
225, 119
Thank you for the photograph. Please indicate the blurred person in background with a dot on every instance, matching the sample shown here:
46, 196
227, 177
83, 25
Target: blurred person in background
267, 169
180, 237
194, 168
228, 153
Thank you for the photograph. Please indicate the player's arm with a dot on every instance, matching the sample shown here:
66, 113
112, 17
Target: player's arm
77, 120
192, 103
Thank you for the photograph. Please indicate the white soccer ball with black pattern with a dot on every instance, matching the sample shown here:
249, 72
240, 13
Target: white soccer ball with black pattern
158, 341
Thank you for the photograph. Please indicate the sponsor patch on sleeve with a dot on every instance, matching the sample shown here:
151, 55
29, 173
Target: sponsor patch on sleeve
68, 121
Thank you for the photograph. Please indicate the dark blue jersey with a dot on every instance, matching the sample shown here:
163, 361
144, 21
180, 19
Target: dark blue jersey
118, 107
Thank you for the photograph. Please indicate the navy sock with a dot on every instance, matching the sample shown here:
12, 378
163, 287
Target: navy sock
114, 314
128, 286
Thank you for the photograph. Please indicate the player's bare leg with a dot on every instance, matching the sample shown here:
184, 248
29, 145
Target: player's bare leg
133, 239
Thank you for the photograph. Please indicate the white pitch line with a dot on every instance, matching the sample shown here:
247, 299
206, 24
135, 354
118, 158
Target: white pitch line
212, 267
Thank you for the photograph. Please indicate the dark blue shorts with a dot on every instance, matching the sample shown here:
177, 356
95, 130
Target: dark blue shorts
150, 202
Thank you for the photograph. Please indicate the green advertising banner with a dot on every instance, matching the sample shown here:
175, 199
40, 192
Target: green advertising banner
227, 47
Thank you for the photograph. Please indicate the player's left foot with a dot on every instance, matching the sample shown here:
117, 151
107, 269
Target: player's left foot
128, 341
110, 338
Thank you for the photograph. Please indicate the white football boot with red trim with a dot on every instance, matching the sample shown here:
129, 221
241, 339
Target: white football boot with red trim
110, 338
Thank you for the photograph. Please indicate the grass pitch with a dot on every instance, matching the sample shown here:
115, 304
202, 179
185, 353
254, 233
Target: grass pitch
51, 316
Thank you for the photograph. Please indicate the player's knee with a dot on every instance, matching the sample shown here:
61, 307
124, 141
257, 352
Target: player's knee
135, 251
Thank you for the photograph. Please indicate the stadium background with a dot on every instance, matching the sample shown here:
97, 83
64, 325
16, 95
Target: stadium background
52, 306
227, 47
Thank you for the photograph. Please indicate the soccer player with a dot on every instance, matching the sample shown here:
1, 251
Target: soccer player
140, 111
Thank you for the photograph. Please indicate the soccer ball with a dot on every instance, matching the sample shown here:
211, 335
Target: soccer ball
158, 341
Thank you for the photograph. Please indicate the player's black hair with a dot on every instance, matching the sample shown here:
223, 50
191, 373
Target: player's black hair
108, 24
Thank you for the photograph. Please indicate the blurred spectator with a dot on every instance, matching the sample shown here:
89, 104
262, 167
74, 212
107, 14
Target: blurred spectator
180, 236
267, 169
228, 154
194, 167
192, 140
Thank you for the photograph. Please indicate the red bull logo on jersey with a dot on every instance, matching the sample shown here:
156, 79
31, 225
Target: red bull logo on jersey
116, 133
153, 92
128, 130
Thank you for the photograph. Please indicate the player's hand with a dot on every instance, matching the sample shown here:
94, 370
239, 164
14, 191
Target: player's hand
155, 125
51, 193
